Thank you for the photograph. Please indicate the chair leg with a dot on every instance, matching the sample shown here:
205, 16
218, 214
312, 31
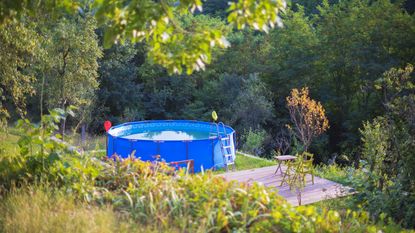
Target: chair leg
312, 177
283, 178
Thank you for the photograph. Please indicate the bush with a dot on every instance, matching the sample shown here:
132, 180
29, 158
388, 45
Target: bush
388, 186
43, 158
253, 141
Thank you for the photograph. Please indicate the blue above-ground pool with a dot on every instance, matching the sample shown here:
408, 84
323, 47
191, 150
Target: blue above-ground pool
173, 140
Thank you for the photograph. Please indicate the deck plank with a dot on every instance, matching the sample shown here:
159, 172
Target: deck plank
322, 189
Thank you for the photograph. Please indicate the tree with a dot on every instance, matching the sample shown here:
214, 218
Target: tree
18, 49
307, 115
290, 60
156, 23
71, 69
120, 92
338, 52
252, 108
359, 40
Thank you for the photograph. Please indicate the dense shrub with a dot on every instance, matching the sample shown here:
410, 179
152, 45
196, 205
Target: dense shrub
253, 141
388, 150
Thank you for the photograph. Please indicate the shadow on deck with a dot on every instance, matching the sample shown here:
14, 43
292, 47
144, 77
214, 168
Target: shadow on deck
321, 190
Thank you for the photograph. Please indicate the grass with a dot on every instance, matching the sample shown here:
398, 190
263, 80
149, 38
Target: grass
336, 173
8, 141
92, 143
46, 210
243, 162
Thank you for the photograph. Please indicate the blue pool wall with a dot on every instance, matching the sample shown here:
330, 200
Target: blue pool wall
206, 152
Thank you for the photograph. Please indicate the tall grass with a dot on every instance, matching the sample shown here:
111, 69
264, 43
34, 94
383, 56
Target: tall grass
40, 211
32, 210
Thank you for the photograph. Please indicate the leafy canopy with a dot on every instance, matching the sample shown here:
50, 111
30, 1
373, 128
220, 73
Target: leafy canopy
157, 23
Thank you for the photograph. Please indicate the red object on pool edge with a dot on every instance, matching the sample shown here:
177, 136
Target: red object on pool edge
107, 125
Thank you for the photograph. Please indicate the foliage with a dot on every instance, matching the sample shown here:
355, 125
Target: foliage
252, 107
119, 95
172, 45
149, 193
388, 143
43, 158
51, 60
253, 141
375, 145
344, 175
16, 9
157, 23
307, 115
71, 63
18, 49
357, 45
243, 102
338, 50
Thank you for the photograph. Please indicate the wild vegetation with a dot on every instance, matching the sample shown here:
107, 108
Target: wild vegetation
348, 63
48, 188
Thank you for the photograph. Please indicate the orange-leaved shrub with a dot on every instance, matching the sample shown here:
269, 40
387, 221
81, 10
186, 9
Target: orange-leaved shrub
307, 115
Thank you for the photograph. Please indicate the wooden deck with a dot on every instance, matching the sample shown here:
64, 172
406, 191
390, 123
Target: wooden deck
321, 190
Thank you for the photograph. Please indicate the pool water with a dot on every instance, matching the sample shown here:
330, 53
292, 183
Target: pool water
168, 135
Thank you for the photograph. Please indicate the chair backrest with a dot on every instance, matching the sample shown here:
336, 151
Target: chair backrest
307, 160
308, 156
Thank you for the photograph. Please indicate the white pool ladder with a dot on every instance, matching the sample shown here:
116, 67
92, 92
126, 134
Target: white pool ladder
226, 146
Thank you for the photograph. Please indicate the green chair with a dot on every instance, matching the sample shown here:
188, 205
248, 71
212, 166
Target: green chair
307, 166
298, 169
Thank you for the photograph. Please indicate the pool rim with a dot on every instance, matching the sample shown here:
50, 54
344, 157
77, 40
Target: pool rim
160, 121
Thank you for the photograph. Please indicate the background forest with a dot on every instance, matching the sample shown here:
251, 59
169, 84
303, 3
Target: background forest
356, 57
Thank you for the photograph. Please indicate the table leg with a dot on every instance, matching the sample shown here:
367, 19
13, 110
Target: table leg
279, 167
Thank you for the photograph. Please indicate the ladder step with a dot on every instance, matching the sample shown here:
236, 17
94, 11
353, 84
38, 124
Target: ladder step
225, 138
226, 147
